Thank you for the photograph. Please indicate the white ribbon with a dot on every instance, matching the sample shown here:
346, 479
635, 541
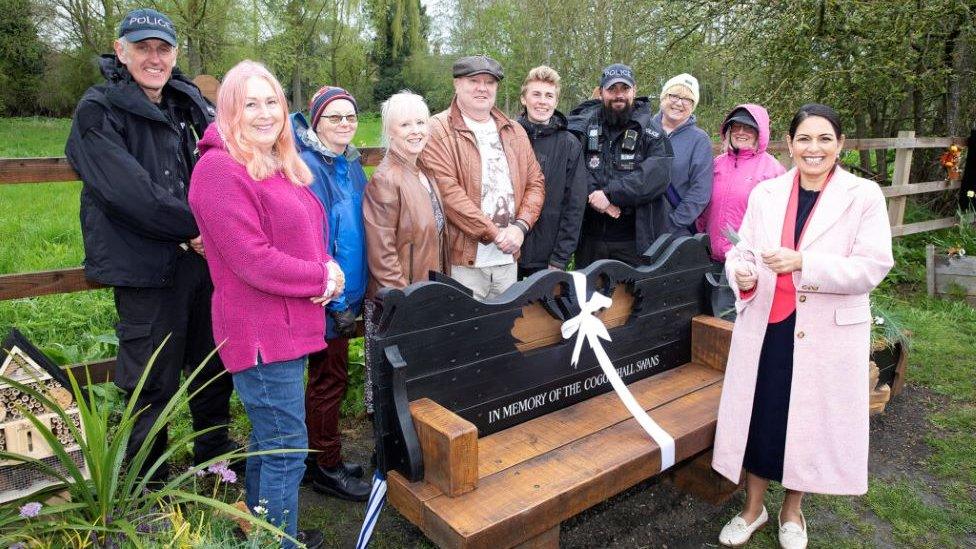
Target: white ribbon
587, 326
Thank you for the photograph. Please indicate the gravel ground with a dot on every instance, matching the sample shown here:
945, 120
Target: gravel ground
656, 514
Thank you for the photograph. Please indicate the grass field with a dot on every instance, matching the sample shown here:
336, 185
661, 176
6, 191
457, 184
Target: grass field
932, 503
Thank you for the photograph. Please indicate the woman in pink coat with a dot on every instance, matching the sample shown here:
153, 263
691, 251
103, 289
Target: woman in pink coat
743, 165
814, 243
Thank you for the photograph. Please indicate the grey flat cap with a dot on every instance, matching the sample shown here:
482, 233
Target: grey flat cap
478, 64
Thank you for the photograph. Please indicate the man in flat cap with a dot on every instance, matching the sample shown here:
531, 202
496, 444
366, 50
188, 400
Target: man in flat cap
133, 142
491, 184
629, 159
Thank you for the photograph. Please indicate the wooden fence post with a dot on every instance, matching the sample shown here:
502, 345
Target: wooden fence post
930, 269
903, 168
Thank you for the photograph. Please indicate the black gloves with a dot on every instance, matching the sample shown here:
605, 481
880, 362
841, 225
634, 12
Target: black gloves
344, 322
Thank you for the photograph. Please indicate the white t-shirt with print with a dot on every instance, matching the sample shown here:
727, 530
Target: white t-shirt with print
497, 193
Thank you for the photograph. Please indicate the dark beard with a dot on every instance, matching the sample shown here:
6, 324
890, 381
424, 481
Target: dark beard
615, 118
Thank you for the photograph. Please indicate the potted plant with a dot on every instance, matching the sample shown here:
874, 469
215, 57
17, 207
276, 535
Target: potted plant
889, 356
951, 270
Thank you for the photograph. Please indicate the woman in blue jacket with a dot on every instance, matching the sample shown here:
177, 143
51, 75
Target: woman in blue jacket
325, 144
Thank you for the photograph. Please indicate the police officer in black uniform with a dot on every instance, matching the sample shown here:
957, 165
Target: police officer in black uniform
133, 142
629, 163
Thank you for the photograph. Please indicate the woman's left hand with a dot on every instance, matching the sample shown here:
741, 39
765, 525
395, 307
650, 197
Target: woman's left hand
782, 260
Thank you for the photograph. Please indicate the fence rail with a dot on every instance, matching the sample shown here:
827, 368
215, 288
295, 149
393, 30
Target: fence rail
57, 169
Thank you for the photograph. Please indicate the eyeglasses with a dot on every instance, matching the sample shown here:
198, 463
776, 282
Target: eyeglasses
336, 119
686, 101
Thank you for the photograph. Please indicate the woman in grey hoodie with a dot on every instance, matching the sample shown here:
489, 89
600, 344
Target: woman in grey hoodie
691, 173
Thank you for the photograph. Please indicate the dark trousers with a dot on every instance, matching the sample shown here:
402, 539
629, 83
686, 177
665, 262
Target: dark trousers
593, 248
328, 374
182, 312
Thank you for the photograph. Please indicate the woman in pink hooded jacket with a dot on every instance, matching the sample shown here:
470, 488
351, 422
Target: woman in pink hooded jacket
743, 165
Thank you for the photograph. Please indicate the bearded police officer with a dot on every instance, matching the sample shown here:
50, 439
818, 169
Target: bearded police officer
133, 142
628, 158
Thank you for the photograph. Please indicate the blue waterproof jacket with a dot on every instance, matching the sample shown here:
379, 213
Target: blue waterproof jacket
339, 184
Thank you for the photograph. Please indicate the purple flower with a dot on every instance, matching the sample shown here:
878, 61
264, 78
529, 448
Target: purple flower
228, 476
223, 471
18, 545
218, 467
30, 510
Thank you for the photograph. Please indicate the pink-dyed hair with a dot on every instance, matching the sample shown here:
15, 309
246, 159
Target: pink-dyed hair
230, 109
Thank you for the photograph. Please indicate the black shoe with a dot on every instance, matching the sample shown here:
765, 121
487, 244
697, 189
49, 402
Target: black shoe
311, 539
312, 467
339, 483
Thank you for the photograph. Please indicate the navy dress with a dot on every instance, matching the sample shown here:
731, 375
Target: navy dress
766, 446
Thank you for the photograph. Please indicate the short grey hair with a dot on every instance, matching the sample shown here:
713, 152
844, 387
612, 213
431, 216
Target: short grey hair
401, 105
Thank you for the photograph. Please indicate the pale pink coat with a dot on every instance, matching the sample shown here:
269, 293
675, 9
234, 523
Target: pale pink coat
846, 251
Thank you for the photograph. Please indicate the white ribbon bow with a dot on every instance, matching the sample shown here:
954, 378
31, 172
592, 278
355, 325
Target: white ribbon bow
587, 326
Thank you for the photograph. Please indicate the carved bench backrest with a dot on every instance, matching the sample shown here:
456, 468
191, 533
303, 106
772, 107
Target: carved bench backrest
502, 362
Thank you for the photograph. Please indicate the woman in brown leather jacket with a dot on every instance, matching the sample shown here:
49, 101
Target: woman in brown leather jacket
405, 222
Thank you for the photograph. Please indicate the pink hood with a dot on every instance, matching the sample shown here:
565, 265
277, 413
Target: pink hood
736, 173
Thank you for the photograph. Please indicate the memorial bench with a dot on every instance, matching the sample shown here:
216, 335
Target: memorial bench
491, 437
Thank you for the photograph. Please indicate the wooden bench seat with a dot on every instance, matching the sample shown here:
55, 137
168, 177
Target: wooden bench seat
533, 476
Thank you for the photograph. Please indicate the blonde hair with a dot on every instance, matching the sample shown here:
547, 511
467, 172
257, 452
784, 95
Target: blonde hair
230, 108
400, 105
542, 73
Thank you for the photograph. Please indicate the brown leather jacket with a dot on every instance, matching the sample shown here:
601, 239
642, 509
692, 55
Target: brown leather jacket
402, 243
452, 157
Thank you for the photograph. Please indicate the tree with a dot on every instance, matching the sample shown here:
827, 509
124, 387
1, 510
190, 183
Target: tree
21, 59
401, 28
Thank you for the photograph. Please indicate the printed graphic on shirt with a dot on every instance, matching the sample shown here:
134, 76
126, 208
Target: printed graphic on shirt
497, 193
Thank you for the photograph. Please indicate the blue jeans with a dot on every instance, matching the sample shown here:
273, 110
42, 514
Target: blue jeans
273, 395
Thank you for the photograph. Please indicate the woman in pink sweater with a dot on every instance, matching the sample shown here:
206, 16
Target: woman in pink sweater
264, 233
743, 165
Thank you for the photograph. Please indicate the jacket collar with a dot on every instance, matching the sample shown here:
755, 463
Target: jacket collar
835, 200
535, 130
398, 159
457, 119
691, 121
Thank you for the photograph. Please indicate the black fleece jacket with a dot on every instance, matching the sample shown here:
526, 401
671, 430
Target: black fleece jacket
555, 235
135, 160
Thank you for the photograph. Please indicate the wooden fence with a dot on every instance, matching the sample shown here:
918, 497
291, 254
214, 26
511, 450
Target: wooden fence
60, 281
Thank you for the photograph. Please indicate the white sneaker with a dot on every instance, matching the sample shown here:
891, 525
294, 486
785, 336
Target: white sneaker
737, 533
793, 535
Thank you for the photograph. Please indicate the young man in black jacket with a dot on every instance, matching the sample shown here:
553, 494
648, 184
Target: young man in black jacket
553, 239
133, 142
628, 160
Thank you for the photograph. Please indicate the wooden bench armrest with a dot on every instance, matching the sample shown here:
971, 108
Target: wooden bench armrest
711, 338
449, 445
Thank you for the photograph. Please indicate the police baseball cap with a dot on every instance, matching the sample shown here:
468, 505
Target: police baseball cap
145, 23
618, 72
477, 64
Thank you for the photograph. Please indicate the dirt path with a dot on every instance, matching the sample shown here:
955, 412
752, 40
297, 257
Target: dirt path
656, 514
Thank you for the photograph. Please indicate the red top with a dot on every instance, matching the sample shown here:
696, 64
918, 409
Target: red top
784, 299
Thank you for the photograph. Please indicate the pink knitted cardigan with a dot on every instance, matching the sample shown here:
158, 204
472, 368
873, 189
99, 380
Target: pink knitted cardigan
265, 246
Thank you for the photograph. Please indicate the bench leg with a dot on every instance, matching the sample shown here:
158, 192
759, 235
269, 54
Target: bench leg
546, 540
699, 479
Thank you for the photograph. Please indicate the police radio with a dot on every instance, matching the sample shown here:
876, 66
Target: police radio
630, 140
593, 138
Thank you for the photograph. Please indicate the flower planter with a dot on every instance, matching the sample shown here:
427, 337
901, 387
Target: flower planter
888, 364
950, 275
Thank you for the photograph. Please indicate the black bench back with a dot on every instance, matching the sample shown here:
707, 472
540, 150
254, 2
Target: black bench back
433, 340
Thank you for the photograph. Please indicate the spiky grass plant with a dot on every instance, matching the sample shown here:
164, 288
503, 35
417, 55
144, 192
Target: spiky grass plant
112, 506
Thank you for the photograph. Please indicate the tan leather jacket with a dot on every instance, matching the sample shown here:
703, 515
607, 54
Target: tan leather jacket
452, 157
402, 243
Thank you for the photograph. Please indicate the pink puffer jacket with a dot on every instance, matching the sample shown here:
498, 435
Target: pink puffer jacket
736, 173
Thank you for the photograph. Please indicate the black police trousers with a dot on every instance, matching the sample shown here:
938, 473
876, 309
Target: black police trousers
182, 312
